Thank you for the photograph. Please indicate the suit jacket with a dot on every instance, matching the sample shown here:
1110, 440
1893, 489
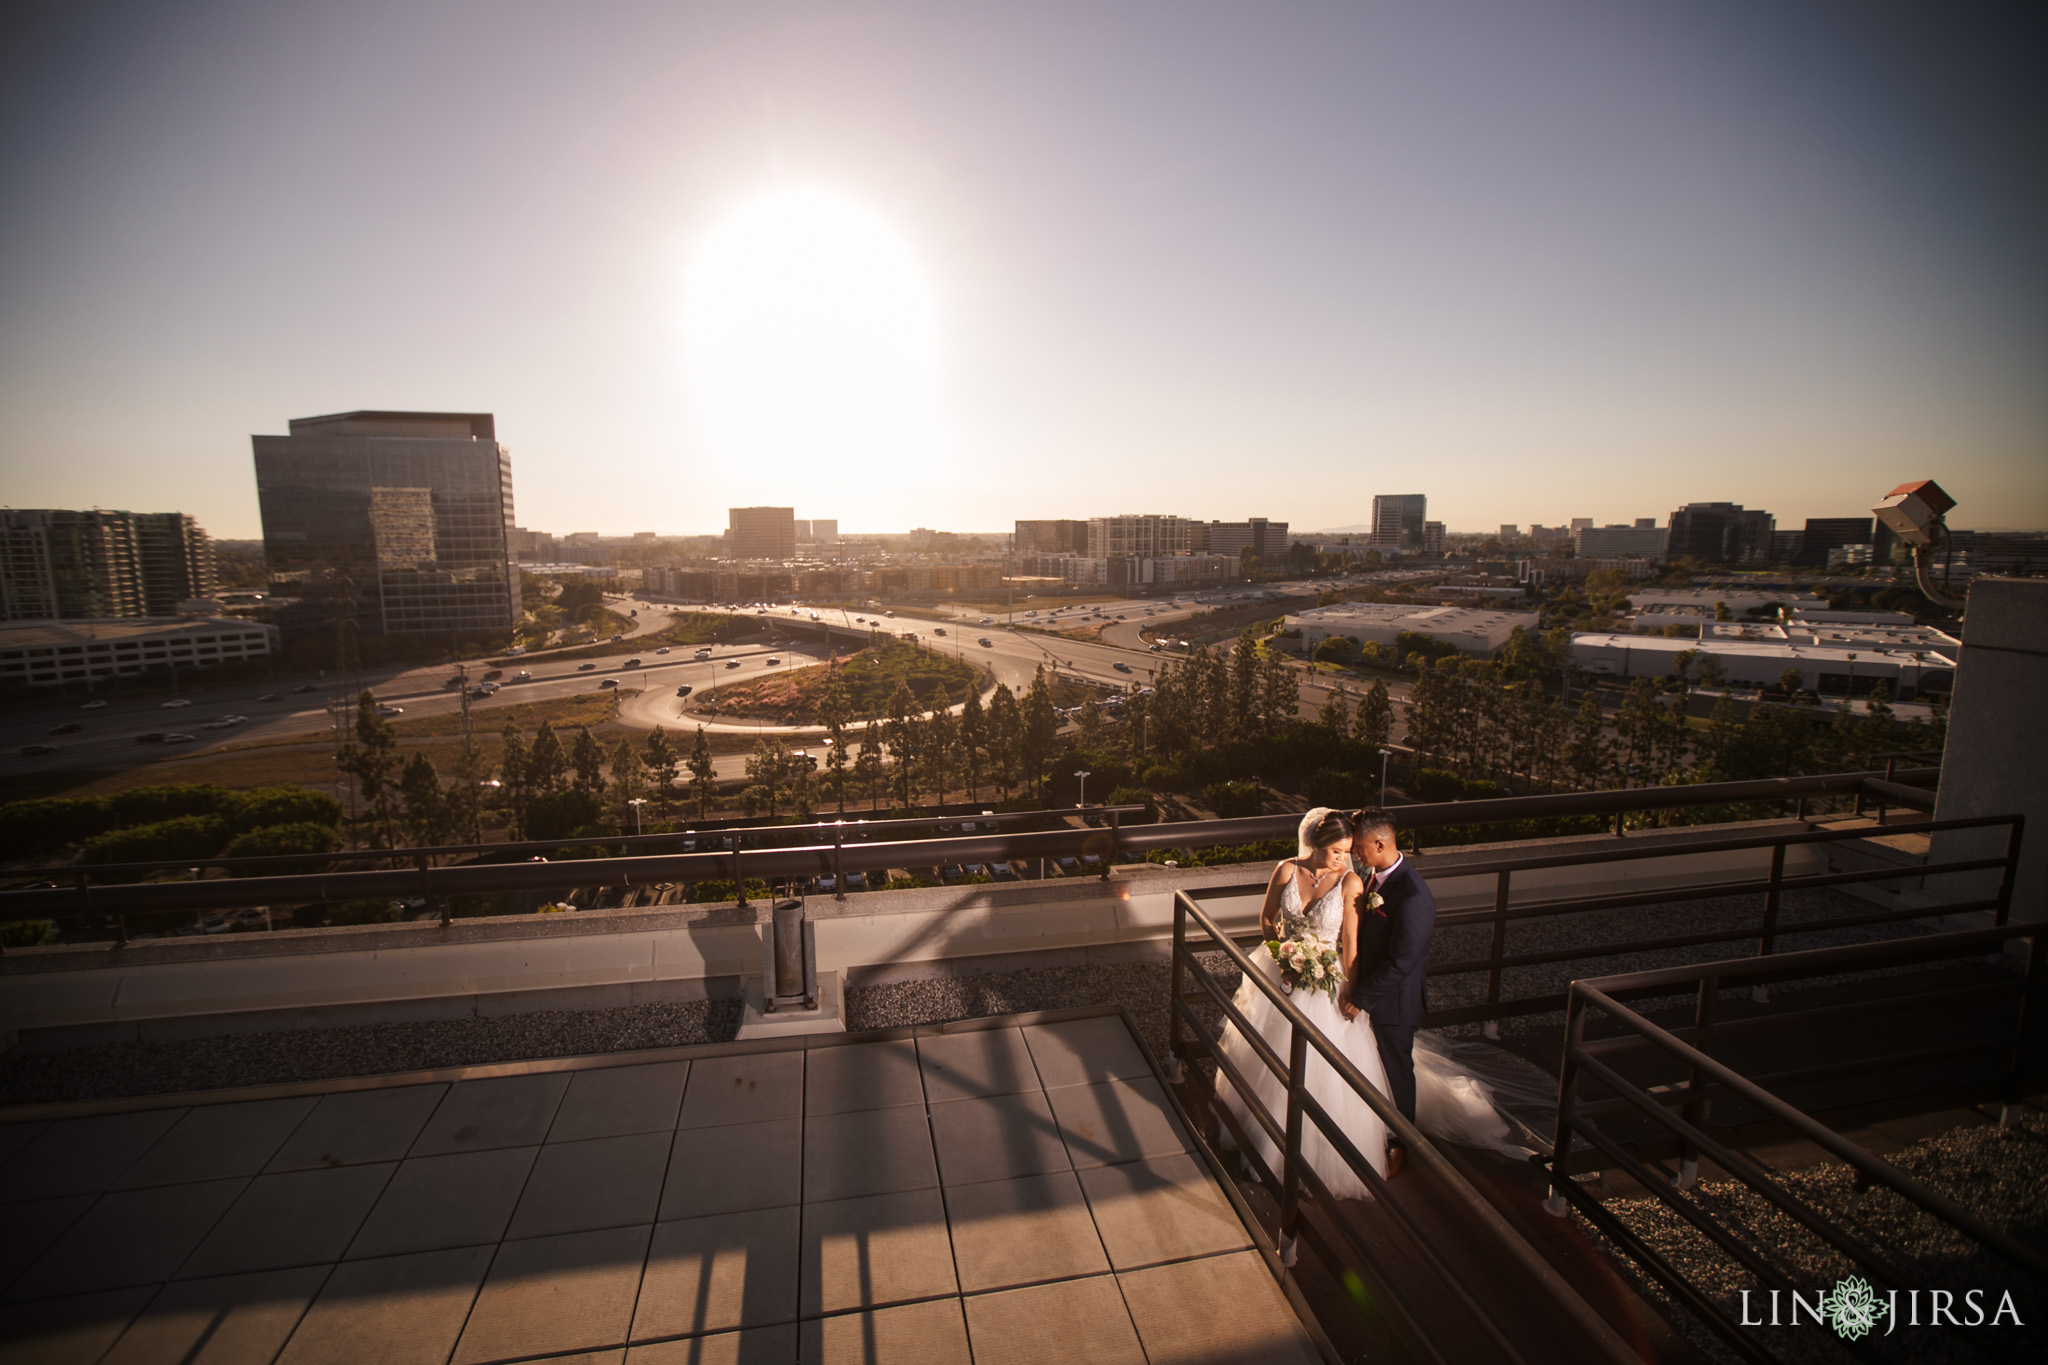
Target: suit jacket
1394, 950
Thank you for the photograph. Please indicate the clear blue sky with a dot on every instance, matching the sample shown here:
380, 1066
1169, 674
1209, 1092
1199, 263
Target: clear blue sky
1534, 258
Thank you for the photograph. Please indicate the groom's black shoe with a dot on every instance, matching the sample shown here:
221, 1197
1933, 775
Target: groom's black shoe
1396, 1158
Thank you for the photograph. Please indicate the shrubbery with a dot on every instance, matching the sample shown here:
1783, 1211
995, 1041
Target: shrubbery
193, 837
1233, 800
41, 829
1135, 796
301, 836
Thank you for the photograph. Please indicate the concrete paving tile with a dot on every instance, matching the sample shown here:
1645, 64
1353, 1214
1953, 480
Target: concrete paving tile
32, 1226
15, 1136
289, 1219
609, 1182
614, 1101
70, 1331
615, 1356
864, 1076
744, 1089
1074, 1322
445, 1201
714, 1274
997, 1138
128, 1237
1012, 1232
547, 1295
864, 1253
82, 1156
359, 1127
974, 1064
868, 1151
914, 1334
1085, 1052
1117, 1121
1160, 1209
217, 1140
235, 1320
756, 1346
396, 1310
1216, 1310
734, 1167
503, 1111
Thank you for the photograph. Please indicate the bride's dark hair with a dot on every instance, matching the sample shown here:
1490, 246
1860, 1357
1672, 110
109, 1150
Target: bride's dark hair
1329, 830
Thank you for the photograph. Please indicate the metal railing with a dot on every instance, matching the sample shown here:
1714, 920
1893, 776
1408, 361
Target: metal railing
1707, 1079
1336, 1241
83, 897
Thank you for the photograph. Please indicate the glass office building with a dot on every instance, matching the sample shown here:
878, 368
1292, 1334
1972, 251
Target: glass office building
406, 516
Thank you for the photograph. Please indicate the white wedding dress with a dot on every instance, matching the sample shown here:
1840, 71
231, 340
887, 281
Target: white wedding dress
1352, 1115
1451, 1103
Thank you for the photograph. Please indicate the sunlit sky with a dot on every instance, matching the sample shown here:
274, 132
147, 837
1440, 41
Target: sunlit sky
1536, 258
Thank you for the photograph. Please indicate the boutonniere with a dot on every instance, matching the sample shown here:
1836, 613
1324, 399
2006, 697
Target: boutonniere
1375, 904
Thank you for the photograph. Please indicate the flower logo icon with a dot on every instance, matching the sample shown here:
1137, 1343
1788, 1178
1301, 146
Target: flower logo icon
1852, 1309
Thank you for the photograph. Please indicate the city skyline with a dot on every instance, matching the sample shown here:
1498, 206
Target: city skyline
1536, 263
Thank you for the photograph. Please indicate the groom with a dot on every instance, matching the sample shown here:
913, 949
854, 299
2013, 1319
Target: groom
1393, 949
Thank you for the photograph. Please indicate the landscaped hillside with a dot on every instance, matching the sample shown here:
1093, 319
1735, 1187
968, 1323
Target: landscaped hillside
869, 677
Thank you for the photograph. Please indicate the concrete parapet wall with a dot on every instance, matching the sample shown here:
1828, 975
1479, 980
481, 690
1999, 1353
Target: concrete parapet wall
601, 958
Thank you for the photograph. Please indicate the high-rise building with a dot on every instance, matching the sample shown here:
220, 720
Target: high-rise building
1433, 539
1581, 523
1398, 520
1508, 531
404, 516
1142, 537
1824, 534
760, 533
1051, 538
60, 565
1620, 542
825, 530
1721, 533
1264, 538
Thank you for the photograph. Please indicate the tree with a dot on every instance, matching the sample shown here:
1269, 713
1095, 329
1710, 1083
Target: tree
1005, 739
973, 739
1041, 729
940, 745
1279, 694
547, 767
1374, 724
371, 758
587, 759
768, 772
867, 767
661, 759
1242, 713
1586, 754
628, 783
1337, 649
1334, 716
834, 711
516, 768
902, 738
703, 774
468, 771
1090, 722
426, 807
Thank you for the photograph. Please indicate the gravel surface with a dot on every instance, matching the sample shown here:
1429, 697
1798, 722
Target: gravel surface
2000, 1174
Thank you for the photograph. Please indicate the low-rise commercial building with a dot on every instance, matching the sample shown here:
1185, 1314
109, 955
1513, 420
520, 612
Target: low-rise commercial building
1481, 633
1703, 601
51, 653
1755, 661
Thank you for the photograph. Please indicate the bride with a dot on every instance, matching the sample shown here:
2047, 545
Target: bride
1315, 894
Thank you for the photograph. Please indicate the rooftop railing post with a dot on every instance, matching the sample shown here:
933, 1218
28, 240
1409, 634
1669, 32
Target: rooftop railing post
739, 878
1491, 1028
2031, 1003
2014, 831
1175, 1048
1619, 833
1767, 939
1109, 858
1695, 1109
839, 862
1567, 1083
1290, 1159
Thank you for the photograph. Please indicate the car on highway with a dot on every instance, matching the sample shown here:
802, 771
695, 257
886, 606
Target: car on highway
71, 727
703, 653
1155, 647
152, 737
662, 650
986, 621
1120, 666
267, 696
389, 710
586, 668
175, 738
732, 663
938, 630
491, 673
608, 682
174, 703
773, 660
630, 663
304, 688
94, 706
479, 692
684, 690
986, 643
522, 676
37, 750
617, 638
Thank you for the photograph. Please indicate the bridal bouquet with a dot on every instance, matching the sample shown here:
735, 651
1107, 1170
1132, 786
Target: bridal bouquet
1307, 964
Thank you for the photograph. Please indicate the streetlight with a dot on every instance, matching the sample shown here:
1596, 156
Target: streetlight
636, 803
1084, 776
1385, 754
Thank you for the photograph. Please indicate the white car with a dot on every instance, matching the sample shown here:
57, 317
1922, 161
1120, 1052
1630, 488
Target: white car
391, 710
662, 650
175, 702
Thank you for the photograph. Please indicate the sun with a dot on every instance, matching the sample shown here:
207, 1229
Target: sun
810, 343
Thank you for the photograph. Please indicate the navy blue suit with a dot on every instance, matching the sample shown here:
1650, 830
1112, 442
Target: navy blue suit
1393, 950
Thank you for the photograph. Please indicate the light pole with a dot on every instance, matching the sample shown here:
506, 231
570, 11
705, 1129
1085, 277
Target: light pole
1084, 776
1385, 754
636, 803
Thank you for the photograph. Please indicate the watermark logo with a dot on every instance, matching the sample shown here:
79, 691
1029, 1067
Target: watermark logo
1852, 1309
